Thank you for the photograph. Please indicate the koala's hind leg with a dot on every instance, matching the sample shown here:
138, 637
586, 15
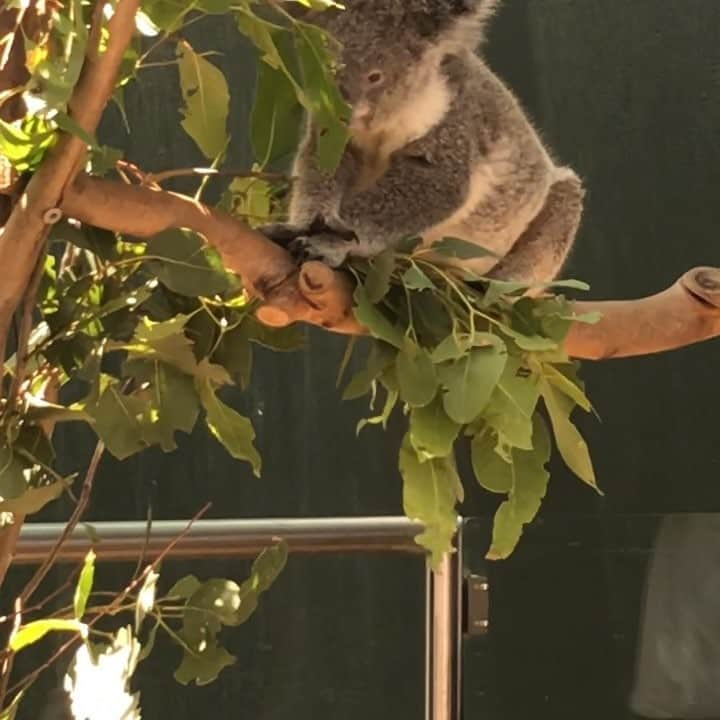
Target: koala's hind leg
540, 252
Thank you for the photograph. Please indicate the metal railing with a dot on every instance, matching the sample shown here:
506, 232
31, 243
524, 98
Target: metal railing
120, 541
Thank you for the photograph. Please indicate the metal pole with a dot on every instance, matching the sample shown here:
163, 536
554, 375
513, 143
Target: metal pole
121, 541
443, 634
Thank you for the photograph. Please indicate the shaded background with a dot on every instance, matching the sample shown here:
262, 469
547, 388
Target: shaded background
625, 91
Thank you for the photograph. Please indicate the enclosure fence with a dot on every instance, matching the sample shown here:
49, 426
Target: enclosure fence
127, 540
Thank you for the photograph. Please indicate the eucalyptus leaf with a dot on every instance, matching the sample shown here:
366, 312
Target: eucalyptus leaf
470, 381
371, 317
460, 249
377, 280
572, 447
233, 430
530, 480
184, 264
415, 279
491, 471
207, 101
33, 631
84, 585
416, 375
431, 491
432, 432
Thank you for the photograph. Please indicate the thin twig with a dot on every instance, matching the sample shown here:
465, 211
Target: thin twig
51, 596
162, 176
25, 329
9, 659
43, 570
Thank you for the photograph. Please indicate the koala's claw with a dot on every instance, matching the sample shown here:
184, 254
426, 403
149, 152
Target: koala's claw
328, 248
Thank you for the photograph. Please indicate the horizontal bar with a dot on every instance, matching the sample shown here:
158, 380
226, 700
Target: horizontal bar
221, 538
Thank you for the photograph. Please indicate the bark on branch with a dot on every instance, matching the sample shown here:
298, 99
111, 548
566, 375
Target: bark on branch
686, 313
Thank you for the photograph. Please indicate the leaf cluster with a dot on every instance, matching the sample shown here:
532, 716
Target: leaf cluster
466, 356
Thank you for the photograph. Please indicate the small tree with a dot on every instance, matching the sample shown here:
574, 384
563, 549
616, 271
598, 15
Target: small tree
129, 308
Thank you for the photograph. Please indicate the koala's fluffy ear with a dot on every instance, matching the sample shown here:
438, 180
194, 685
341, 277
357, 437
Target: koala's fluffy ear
467, 21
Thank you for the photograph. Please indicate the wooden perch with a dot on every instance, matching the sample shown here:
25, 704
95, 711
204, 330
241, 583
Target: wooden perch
686, 313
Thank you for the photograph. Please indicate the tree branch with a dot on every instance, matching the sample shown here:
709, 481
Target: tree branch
26, 229
686, 313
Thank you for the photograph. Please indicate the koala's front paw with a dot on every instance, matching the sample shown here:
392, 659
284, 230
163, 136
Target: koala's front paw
330, 248
282, 233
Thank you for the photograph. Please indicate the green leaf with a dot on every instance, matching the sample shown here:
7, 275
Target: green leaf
415, 279
203, 667
172, 400
84, 585
384, 416
33, 499
501, 288
431, 490
379, 359
234, 352
10, 712
432, 432
530, 480
166, 14
233, 430
146, 597
216, 602
572, 447
567, 385
315, 54
68, 125
451, 348
207, 101
12, 478
25, 143
378, 325
276, 115
185, 587
34, 631
249, 198
268, 565
185, 265
377, 280
416, 375
491, 471
512, 405
470, 381
460, 249
118, 422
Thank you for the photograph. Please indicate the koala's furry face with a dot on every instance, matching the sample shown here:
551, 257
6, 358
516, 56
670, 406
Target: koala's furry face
390, 48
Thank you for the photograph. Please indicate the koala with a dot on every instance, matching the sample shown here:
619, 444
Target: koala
439, 147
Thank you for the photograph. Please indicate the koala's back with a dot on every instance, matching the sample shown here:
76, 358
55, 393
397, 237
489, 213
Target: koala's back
511, 171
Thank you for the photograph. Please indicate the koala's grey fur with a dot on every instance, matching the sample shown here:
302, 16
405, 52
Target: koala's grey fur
439, 147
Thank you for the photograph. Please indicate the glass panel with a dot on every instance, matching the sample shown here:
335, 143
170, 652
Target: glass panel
607, 618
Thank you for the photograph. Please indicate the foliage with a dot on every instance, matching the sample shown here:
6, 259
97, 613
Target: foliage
192, 613
469, 357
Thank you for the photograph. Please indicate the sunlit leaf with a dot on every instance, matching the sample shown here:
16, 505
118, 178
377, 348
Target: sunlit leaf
84, 585
207, 101
36, 630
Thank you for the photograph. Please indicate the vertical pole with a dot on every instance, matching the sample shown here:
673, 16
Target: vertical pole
442, 641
